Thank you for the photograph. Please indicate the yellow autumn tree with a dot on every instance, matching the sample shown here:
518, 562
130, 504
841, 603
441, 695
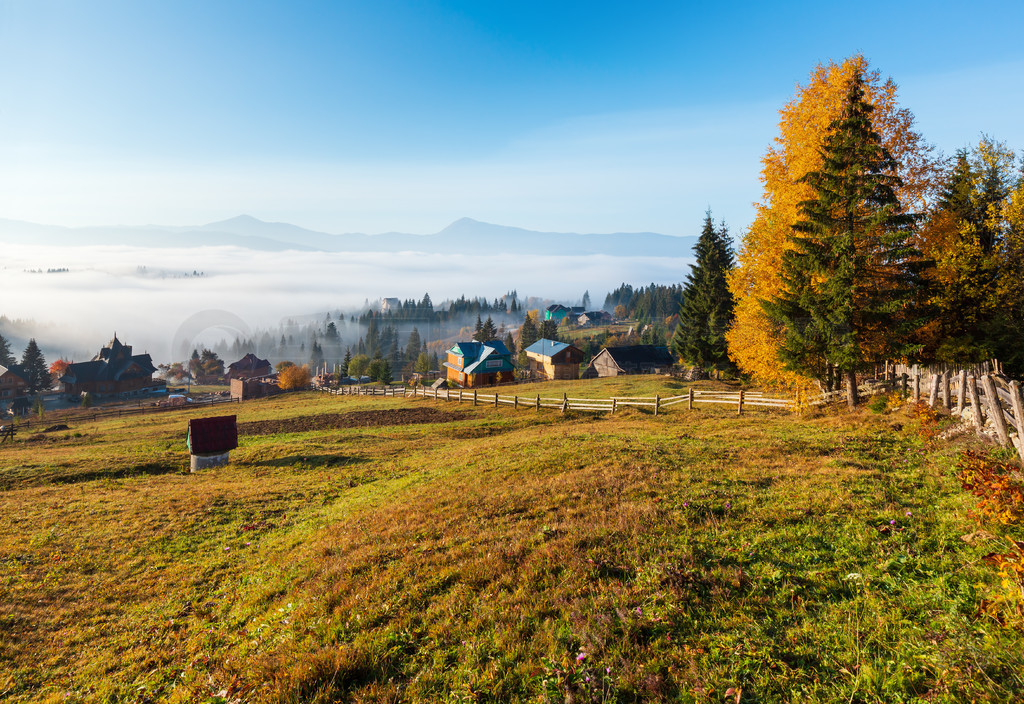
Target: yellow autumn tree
753, 339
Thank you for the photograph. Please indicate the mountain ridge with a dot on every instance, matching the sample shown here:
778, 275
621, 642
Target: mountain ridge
464, 235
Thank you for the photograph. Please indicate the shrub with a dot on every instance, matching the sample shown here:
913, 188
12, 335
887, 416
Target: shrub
294, 377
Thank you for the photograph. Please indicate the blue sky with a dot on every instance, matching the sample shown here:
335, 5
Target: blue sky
378, 116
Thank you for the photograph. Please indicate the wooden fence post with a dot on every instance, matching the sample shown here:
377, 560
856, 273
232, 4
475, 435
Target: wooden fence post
495, 398
657, 403
917, 386
613, 406
945, 391
995, 409
565, 402
689, 401
1018, 416
961, 397
538, 402
515, 402
979, 422
933, 393
739, 406
474, 397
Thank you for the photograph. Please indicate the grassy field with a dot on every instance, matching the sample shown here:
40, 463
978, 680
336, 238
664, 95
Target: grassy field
368, 549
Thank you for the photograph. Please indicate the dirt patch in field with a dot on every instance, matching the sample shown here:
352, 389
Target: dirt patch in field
355, 419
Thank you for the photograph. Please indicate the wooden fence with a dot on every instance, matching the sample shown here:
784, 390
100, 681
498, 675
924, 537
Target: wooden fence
991, 403
73, 414
740, 399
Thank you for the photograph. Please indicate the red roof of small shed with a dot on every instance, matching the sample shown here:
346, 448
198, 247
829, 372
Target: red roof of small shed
212, 435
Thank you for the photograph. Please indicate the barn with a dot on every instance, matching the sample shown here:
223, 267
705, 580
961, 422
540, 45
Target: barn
632, 359
550, 359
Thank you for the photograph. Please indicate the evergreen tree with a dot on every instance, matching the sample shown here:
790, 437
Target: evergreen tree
510, 343
6, 358
586, 301
707, 309
528, 332
852, 275
422, 363
36, 372
412, 348
488, 331
478, 331
549, 330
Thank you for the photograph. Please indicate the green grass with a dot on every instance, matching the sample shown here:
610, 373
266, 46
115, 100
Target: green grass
478, 558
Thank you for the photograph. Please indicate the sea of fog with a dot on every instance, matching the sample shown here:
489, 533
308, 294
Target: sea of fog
81, 296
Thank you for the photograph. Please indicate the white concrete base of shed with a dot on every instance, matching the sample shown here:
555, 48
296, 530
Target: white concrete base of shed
206, 461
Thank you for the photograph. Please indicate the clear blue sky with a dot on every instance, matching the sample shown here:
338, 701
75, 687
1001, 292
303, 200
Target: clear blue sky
377, 116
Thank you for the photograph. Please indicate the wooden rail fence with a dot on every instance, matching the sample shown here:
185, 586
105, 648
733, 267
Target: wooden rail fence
740, 399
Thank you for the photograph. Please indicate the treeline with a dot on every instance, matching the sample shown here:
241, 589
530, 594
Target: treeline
869, 246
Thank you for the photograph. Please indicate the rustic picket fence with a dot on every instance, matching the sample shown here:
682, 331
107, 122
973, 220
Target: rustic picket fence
978, 394
740, 399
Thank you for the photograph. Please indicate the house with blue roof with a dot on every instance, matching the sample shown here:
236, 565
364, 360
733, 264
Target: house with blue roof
550, 359
479, 363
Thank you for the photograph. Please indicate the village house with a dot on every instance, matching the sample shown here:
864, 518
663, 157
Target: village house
249, 367
632, 359
479, 363
558, 312
13, 382
594, 317
550, 360
115, 371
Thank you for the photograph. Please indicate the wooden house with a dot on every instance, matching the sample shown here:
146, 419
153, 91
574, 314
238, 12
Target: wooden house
115, 371
549, 359
632, 359
558, 312
13, 382
594, 317
479, 363
249, 367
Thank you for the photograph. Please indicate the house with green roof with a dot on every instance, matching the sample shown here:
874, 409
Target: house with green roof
474, 363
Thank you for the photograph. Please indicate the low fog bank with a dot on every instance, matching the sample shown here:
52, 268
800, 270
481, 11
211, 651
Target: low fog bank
79, 297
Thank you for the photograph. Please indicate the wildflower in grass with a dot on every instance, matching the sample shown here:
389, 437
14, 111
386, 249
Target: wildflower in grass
892, 522
581, 657
908, 514
728, 505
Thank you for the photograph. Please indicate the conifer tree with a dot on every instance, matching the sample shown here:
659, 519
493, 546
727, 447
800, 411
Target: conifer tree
489, 331
6, 358
478, 329
852, 276
34, 365
344, 363
707, 309
528, 332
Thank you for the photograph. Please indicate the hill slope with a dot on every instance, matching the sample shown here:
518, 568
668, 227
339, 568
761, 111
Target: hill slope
385, 550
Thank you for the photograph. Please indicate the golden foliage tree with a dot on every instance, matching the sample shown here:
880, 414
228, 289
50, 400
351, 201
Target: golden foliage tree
975, 235
294, 377
804, 122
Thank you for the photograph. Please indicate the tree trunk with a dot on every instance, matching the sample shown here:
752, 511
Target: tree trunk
851, 389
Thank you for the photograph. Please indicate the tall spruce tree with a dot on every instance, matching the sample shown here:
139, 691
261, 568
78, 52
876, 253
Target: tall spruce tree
6, 358
707, 309
489, 331
851, 277
528, 333
34, 365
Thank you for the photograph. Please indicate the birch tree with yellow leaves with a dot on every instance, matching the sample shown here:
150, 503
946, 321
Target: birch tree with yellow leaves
754, 339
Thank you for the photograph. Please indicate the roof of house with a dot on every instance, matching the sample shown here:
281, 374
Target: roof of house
474, 354
113, 363
641, 355
249, 362
547, 348
15, 369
